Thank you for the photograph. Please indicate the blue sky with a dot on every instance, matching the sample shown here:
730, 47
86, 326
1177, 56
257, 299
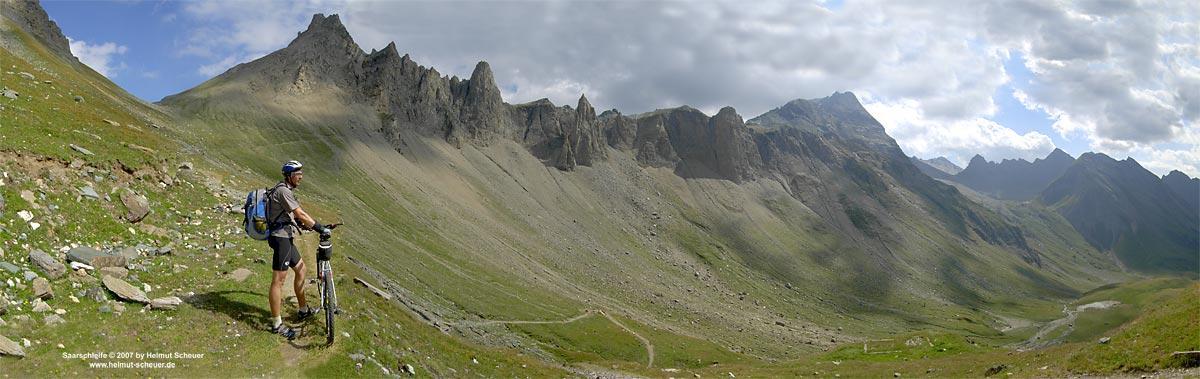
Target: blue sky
1004, 79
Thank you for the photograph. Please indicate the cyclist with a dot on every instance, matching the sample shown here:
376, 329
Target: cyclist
285, 209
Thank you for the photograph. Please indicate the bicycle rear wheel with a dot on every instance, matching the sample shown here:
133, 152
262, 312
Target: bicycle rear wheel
327, 303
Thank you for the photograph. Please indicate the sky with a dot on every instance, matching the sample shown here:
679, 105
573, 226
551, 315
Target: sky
1004, 79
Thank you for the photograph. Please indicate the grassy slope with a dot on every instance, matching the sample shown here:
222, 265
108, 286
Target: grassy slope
419, 225
222, 319
490, 233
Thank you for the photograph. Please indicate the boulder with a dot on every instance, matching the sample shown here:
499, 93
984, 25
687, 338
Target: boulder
50, 266
41, 289
41, 307
168, 303
84, 254
88, 191
81, 275
78, 99
130, 253
50, 320
82, 151
8, 347
96, 294
103, 261
124, 290
10, 93
118, 272
9, 267
137, 205
27, 75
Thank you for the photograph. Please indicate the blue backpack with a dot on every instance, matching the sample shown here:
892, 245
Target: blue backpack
256, 224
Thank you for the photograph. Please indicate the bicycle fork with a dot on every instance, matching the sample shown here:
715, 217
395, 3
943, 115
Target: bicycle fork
324, 270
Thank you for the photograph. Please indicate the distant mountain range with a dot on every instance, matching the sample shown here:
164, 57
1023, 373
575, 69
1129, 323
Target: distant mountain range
937, 168
1151, 223
1014, 179
1122, 207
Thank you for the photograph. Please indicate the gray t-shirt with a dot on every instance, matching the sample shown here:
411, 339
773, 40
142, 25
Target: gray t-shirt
283, 202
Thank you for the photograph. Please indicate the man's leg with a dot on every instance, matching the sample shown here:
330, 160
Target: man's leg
275, 294
298, 284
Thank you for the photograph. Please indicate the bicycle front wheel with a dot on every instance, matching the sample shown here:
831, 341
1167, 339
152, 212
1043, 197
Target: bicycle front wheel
328, 305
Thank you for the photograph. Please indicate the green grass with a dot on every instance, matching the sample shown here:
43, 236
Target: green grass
924, 345
411, 238
45, 120
1146, 343
672, 350
590, 339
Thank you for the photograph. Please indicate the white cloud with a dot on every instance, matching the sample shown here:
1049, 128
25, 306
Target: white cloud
1113, 73
101, 57
218, 67
230, 32
957, 140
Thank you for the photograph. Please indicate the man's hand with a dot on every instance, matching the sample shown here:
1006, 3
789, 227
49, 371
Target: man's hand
317, 227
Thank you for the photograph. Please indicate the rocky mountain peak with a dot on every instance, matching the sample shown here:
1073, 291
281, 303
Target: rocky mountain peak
585, 109
1059, 155
322, 25
842, 100
840, 114
1177, 175
326, 34
977, 160
30, 17
727, 112
482, 85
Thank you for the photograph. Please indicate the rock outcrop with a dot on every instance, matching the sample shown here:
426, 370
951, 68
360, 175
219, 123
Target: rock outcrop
805, 145
50, 266
124, 290
30, 17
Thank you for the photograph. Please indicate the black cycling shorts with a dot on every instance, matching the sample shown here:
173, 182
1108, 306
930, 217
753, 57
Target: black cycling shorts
286, 255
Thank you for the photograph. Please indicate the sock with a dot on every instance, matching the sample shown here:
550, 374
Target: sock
275, 321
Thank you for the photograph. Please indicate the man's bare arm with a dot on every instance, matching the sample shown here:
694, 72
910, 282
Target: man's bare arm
304, 219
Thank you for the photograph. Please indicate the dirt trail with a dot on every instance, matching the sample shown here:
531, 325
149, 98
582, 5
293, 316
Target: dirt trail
649, 346
586, 313
1036, 341
496, 322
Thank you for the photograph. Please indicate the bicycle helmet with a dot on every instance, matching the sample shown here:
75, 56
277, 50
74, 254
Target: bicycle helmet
291, 167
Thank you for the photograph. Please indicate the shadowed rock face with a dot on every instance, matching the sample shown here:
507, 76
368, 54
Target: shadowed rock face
1122, 207
562, 137
825, 151
30, 17
1014, 179
1187, 188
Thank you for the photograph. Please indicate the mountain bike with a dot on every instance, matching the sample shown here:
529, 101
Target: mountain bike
325, 282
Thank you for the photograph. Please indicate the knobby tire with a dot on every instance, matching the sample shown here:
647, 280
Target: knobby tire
328, 305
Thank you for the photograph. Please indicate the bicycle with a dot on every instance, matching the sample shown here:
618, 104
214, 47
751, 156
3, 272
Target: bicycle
325, 282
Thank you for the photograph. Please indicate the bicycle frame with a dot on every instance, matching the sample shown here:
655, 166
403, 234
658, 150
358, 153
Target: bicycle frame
325, 285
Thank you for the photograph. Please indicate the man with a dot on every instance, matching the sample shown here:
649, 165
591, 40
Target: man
284, 209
